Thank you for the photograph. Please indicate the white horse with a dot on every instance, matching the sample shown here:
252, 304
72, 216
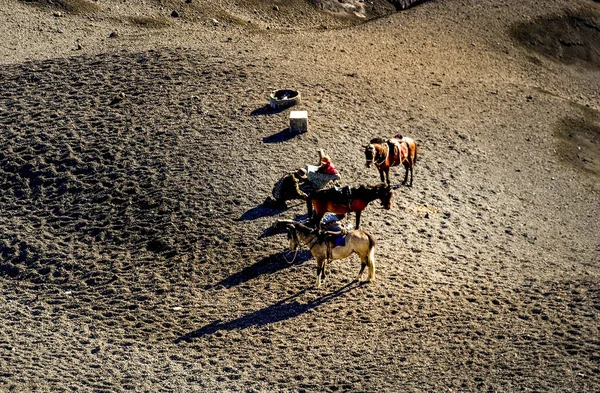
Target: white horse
324, 247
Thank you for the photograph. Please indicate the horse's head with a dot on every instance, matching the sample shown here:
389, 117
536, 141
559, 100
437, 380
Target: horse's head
386, 195
370, 153
293, 237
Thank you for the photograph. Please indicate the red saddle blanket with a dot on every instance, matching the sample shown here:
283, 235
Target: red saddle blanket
401, 149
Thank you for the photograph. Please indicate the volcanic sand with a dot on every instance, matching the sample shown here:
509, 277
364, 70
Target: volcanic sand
137, 148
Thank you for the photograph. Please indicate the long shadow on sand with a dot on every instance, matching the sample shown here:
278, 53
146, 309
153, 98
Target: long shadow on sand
259, 211
280, 311
282, 136
270, 264
263, 210
266, 110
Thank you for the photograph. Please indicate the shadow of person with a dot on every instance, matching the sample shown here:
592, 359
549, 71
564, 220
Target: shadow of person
267, 265
283, 310
266, 210
281, 136
259, 211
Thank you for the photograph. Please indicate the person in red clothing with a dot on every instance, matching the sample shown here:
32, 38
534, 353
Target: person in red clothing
327, 167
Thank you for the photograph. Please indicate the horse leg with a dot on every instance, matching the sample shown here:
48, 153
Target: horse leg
317, 220
363, 265
411, 176
405, 174
382, 176
309, 208
314, 219
358, 219
320, 271
387, 176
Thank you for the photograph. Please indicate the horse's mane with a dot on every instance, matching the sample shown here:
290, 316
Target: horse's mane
377, 140
369, 188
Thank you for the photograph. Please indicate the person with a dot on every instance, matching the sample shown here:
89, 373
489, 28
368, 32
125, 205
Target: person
327, 167
322, 175
288, 188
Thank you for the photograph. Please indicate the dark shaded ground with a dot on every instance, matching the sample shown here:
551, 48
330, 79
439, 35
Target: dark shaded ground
570, 37
133, 236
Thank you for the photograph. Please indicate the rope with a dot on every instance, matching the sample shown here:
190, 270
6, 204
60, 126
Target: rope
293, 259
387, 153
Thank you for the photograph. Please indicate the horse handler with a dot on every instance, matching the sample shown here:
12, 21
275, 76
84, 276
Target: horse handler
288, 188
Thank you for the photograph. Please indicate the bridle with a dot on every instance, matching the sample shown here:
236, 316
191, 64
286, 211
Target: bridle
310, 243
387, 198
297, 243
387, 153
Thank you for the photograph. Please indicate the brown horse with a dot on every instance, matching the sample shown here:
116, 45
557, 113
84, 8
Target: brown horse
393, 152
356, 200
354, 241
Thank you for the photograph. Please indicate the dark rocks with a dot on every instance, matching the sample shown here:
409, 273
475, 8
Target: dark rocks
117, 99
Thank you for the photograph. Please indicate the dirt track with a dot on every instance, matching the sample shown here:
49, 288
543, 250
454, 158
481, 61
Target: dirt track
130, 248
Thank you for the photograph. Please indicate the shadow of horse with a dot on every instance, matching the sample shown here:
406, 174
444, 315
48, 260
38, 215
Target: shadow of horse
283, 310
281, 136
267, 265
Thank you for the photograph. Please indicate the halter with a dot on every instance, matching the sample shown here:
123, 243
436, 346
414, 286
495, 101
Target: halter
371, 160
387, 153
299, 244
375, 156
308, 244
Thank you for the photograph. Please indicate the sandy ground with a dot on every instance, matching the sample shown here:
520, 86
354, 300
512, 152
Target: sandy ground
137, 148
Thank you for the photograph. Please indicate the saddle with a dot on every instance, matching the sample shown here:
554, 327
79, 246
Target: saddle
344, 194
333, 238
399, 149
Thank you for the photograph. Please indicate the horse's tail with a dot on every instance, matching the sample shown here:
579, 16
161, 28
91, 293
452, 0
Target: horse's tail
412, 150
371, 241
415, 159
371, 258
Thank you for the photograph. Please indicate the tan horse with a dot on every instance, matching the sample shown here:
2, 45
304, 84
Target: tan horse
393, 152
323, 248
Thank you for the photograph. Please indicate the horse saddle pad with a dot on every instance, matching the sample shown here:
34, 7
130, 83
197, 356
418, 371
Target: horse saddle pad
403, 152
337, 240
401, 148
337, 195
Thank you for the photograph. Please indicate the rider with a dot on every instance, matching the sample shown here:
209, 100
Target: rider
327, 167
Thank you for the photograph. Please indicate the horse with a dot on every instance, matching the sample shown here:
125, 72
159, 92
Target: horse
355, 199
393, 152
324, 249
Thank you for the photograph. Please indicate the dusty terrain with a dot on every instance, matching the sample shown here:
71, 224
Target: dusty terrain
136, 149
